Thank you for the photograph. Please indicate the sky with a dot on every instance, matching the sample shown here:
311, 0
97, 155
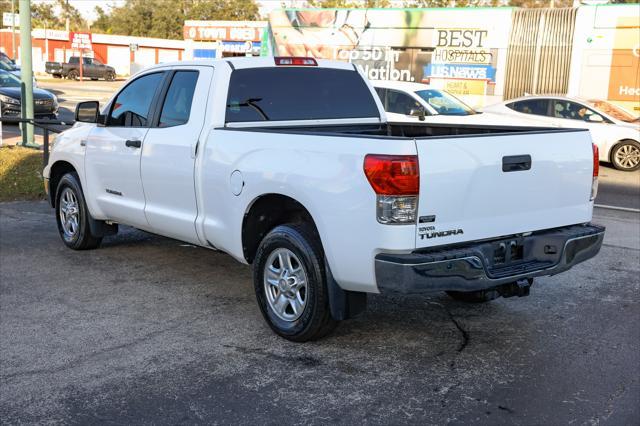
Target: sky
87, 7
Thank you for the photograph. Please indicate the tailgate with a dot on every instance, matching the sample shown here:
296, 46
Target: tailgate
465, 195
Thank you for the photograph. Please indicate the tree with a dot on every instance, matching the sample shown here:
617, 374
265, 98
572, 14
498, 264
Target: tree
165, 18
102, 23
45, 14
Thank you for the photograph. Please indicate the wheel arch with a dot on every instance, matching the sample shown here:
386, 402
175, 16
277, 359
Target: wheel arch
58, 169
266, 212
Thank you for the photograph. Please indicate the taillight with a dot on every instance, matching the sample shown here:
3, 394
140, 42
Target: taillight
396, 182
291, 60
596, 170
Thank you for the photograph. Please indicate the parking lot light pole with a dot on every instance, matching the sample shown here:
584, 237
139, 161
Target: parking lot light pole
26, 71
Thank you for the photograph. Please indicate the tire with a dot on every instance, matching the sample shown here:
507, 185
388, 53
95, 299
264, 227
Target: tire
73, 75
294, 311
69, 196
479, 296
626, 156
109, 76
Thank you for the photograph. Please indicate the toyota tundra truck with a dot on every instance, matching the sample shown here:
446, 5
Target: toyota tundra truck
289, 164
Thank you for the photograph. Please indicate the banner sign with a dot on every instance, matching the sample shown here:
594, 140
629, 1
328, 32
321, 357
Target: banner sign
80, 41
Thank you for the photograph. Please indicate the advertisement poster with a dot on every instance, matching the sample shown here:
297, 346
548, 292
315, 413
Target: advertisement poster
462, 56
624, 74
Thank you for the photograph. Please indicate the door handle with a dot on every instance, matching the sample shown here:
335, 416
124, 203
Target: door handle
516, 163
131, 143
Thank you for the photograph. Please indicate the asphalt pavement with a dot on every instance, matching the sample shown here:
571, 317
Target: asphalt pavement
148, 330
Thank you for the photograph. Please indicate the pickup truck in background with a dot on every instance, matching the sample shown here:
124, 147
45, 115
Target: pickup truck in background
91, 68
289, 164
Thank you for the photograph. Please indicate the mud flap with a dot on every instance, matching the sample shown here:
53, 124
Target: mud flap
343, 304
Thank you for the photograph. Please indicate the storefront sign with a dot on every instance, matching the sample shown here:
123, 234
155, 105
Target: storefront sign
223, 30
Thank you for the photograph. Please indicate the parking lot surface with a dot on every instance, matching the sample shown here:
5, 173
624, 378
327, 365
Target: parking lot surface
151, 330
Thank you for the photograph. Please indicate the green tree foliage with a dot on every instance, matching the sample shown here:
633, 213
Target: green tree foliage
165, 18
51, 15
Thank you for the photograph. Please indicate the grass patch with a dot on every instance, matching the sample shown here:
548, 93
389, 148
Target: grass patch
20, 174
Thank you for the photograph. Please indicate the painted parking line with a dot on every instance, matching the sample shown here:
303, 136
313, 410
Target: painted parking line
622, 209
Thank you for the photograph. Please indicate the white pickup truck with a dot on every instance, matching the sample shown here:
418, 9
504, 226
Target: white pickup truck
288, 164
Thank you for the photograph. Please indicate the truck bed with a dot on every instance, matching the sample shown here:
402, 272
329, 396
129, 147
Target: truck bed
401, 130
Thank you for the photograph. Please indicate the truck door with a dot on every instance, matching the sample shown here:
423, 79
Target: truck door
112, 158
169, 152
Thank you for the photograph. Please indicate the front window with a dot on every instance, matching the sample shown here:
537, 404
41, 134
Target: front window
8, 80
132, 106
445, 103
613, 110
574, 111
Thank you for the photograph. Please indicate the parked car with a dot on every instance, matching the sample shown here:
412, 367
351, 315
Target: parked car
45, 102
615, 130
15, 70
325, 198
91, 68
409, 102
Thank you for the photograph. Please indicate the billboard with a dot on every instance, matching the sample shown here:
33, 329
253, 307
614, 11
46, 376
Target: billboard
456, 49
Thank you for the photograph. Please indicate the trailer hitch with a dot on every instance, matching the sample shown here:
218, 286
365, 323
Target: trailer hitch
518, 288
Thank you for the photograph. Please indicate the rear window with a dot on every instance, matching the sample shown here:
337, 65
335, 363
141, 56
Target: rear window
282, 93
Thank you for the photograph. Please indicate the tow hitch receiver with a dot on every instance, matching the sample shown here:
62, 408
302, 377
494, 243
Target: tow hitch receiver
519, 288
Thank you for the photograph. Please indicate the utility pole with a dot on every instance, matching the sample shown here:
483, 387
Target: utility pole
26, 71
13, 28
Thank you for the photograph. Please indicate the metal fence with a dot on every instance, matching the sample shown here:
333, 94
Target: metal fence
45, 125
539, 57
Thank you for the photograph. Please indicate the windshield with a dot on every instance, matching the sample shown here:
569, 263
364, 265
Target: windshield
445, 103
613, 110
8, 80
7, 66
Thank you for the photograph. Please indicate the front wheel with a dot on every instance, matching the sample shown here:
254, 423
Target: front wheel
290, 283
72, 215
626, 156
110, 76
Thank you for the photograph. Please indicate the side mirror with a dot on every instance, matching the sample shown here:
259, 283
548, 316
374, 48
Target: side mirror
87, 112
595, 118
418, 112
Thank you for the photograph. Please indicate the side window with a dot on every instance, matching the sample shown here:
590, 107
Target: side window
132, 106
531, 106
86, 61
572, 111
400, 103
177, 103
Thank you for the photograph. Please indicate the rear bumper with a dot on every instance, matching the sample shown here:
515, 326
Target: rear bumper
475, 266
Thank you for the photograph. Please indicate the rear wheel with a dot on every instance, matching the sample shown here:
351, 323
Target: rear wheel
479, 296
626, 156
73, 75
290, 283
72, 215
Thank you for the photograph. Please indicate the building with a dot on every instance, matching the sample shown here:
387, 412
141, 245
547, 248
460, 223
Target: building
126, 54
